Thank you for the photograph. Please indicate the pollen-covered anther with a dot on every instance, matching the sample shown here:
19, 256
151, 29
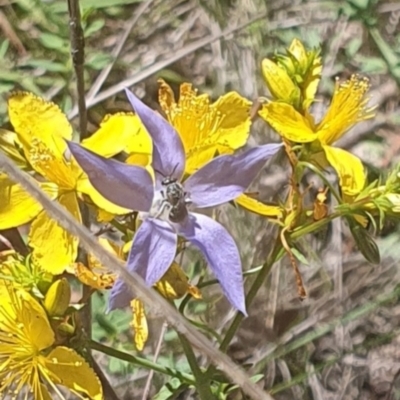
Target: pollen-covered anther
40, 155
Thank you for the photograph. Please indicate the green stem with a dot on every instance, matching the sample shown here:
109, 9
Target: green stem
203, 385
142, 362
314, 226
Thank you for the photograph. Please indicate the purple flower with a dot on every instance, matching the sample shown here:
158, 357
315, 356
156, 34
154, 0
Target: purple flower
168, 215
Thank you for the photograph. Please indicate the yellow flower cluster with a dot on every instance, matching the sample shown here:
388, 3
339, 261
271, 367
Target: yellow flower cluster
33, 353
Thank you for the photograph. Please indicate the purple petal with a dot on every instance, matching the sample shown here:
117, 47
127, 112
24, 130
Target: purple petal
221, 253
120, 297
168, 151
128, 186
152, 253
226, 177
153, 250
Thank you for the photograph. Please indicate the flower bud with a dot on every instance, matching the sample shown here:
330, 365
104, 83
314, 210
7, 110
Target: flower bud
57, 298
279, 83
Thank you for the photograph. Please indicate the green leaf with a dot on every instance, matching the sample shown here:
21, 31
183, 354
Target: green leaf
171, 390
98, 61
300, 257
365, 242
94, 27
53, 42
3, 48
371, 65
353, 46
47, 65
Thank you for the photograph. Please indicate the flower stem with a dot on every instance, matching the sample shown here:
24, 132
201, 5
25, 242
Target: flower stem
142, 362
203, 385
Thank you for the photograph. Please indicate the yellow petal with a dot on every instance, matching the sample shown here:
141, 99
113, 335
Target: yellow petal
54, 248
234, 127
119, 132
11, 146
349, 169
206, 128
139, 159
279, 83
259, 208
32, 116
311, 82
21, 312
139, 324
17, 207
289, 123
298, 50
48, 160
84, 186
68, 368
349, 106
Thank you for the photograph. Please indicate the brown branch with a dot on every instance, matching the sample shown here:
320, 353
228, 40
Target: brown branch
78, 59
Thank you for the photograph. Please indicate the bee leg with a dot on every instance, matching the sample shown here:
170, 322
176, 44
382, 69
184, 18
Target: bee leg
188, 200
164, 205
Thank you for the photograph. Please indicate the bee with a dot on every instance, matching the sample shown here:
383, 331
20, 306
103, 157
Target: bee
175, 198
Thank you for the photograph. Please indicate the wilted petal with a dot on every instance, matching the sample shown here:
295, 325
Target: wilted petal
222, 254
128, 186
168, 152
226, 177
152, 252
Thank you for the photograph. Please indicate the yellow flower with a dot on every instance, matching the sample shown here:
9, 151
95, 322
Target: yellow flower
30, 361
41, 128
206, 129
349, 106
209, 129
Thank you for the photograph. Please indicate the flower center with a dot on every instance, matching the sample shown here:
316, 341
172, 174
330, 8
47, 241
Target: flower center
170, 203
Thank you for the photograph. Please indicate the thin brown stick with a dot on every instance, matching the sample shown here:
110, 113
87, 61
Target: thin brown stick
147, 387
98, 83
150, 297
151, 70
78, 59
299, 280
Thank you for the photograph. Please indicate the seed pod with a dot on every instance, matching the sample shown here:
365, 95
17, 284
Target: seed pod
57, 298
